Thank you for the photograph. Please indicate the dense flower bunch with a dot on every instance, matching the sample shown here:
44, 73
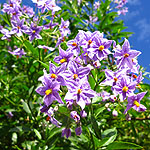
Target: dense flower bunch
25, 24
85, 53
70, 78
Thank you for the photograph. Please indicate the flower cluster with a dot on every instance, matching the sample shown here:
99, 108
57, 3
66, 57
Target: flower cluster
68, 82
83, 55
120, 6
23, 26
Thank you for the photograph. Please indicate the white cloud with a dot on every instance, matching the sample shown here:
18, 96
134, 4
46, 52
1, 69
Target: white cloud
134, 2
144, 29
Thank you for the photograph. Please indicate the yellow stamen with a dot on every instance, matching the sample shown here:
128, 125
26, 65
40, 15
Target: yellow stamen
63, 60
86, 54
74, 44
101, 47
53, 76
49, 91
139, 86
136, 103
79, 91
134, 76
125, 89
75, 76
126, 55
89, 42
33, 31
115, 79
14, 14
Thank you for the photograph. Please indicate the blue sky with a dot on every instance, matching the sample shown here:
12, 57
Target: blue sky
138, 21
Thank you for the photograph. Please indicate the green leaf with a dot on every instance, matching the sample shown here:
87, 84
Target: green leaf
95, 126
25, 106
123, 145
44, 64
96, 100
29, 47
110, 135
91, 82
38, 134
99, 110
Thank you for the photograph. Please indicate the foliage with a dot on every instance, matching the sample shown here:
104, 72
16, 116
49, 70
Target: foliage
23, 125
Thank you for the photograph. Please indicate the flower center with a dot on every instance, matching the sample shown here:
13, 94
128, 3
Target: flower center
48, 118
134, 76
33, 31
14, 14
79, 91
74, 44
18, 27
89, 42
86, 54
139, 86
53, 76
45, 50
11, 5
125, 89
115, 79
136, 103
63, 60
101, 47
126, 55
49, 91
75, 76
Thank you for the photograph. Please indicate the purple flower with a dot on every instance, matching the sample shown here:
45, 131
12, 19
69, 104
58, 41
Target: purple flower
74, 46
60, 40
87, 38
81, 93
139, 78
125, 88
125, 55
75, 116
49, 90
16, 13
134, 102
105, 95
115, 113
28, 10
10, 115
123, 11
44, 109
75, 73
64, 30
34, 31
78, 131
48, 5
99, 47
18, 27
6, 34
64, 57
9, 8
67, 132
50, 26
113, 77
83, 114
50, 113
18, 52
